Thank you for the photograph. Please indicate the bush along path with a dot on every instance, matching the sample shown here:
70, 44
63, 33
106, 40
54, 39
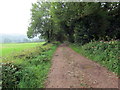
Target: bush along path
71, 70
104, 52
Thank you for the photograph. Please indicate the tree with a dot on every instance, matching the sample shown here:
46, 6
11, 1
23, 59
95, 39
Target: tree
7, 40
78, 22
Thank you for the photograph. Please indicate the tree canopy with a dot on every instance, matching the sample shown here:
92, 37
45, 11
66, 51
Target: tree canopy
78, 22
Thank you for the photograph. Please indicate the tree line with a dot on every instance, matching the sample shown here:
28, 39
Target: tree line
76, 22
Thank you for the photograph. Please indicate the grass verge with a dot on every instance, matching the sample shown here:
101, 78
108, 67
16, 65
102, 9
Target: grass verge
28, 69
104, 52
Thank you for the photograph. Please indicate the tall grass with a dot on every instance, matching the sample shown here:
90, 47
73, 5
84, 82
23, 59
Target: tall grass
28, 69
104, 52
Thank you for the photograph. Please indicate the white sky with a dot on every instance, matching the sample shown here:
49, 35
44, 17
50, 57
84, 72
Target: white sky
15, 16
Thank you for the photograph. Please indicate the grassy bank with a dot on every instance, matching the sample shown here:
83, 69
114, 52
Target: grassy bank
104, 52
27, 69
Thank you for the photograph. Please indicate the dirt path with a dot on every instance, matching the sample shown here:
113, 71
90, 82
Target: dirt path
71, 70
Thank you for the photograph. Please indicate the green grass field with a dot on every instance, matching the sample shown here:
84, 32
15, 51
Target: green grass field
11, 48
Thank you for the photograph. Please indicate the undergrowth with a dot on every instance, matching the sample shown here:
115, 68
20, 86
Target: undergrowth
27, 69
104, 52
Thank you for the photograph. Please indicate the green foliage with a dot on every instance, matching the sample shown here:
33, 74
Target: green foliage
78, 22
56, 43
12, 48
104, 52
31, 71
10, 75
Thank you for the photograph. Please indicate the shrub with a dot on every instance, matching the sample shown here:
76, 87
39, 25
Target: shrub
56, 43
10, 75
104, 52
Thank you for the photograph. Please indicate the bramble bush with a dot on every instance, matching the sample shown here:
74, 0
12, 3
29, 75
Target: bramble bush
10, 75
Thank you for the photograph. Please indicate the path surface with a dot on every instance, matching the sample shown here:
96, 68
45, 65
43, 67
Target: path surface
71, 70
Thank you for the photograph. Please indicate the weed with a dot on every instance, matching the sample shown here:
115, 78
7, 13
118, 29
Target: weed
104, 52
27, 69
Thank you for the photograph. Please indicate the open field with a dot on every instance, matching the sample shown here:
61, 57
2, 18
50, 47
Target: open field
11, 48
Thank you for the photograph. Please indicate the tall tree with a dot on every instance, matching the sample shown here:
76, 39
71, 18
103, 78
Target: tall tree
78, 22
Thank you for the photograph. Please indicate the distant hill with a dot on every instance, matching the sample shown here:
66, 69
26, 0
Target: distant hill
17, 38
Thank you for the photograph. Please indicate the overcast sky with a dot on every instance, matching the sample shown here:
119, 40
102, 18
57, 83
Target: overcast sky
15, 16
